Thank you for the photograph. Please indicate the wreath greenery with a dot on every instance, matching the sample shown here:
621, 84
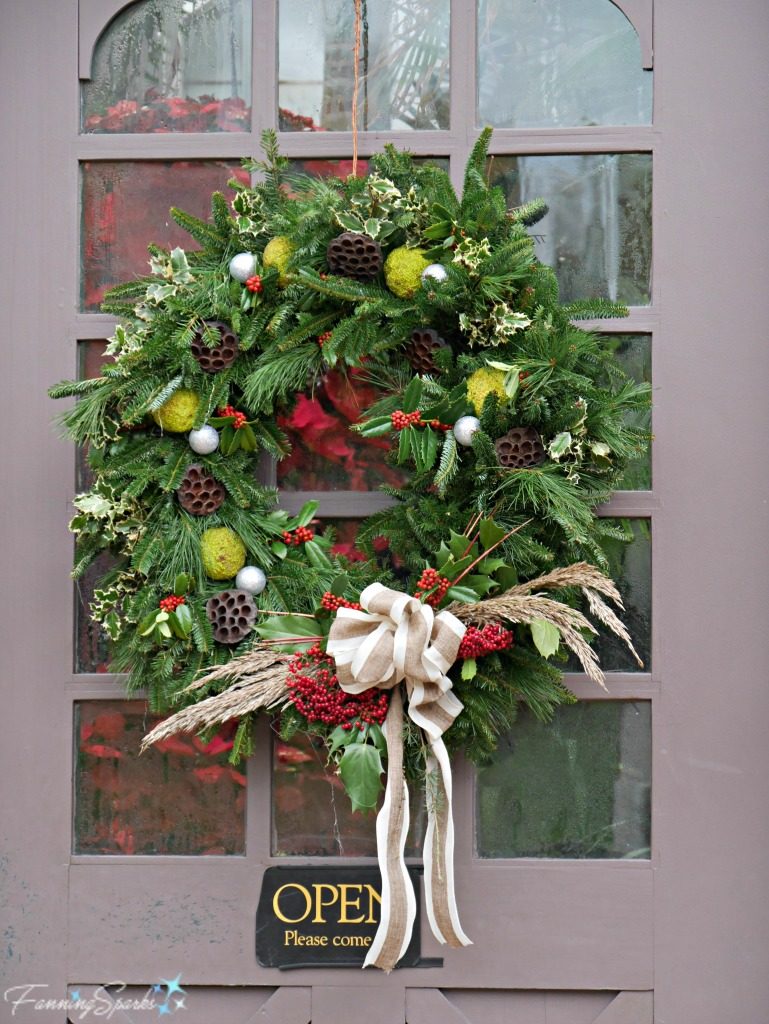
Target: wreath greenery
509, 422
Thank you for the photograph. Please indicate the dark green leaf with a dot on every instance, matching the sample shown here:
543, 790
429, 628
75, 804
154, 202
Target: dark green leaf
360, 769
411, 395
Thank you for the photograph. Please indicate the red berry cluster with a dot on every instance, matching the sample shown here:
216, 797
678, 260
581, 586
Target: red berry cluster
316, 694
400, 420
432, 578
323, 338
239, 417
300, 536
477, 642
254, 284
332, 603
171, 603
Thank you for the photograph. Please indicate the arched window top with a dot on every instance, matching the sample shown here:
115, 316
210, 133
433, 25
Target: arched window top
171, 66
562, 64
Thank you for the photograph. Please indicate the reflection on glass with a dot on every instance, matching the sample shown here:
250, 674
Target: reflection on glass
630, 566
172, 66
311, 813
326, 454
181, 797
578, 787
634, 354
124, 207
336, 167
404, 65
597, 235
559, 64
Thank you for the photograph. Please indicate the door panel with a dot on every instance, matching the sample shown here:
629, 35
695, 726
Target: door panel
554, 938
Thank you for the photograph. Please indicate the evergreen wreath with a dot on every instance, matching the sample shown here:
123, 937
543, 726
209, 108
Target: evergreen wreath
509, 422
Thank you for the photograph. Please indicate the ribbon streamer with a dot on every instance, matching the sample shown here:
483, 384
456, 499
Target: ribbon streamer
398, 639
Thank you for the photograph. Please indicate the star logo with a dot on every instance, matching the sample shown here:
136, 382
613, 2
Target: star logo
163, 1009
75, 996
173, 985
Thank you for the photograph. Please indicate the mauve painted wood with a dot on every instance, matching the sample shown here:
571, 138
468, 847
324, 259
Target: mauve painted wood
37, 220
709, 508
711, 363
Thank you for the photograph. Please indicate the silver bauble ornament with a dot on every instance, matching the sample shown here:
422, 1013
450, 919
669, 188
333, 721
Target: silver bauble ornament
435, 273
204, 441
464, 429
243, 266
251, 579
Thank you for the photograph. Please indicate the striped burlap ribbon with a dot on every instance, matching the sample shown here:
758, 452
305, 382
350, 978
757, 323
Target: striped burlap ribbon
398, 639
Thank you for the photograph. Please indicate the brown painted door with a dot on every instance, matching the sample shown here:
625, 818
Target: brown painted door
610, 868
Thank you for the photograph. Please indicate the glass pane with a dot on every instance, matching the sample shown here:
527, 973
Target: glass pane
311, 813
337, 167
630, 565
597, 235
404, 65
326, 455
559, 63
634, 354
125, 206
172, 66
577, 787
181, 797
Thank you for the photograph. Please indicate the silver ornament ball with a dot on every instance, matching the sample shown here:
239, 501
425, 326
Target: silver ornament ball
204, 441
435, 273
251, 579
243, 266
464, 429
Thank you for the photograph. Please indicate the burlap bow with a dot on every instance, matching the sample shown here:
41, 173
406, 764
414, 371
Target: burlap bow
399, 639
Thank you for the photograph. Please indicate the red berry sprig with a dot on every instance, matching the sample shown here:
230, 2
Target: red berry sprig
332, 603
430, 579
300, 536
170, 603
254, 284
477, 642
316, 694
400, 420
240, 418
323, 338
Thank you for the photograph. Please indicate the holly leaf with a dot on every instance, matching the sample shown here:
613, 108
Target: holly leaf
378, 737
443, 556
490, 533
546, 637
147, 624
429, 448
360, 769
375, 427
411, 395
404, 445
469, 668
506, 576
339, 738
181, 584
457, 544
348, 222
339, 585
248, 438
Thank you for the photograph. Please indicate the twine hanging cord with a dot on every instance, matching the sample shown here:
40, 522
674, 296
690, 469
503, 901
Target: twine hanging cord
356, 86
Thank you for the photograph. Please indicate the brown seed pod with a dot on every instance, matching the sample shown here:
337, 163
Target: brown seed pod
354, 255
199, 493
520, 448
223, 354
232, 613
423, 345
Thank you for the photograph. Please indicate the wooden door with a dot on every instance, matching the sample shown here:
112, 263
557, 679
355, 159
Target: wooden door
607, 870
